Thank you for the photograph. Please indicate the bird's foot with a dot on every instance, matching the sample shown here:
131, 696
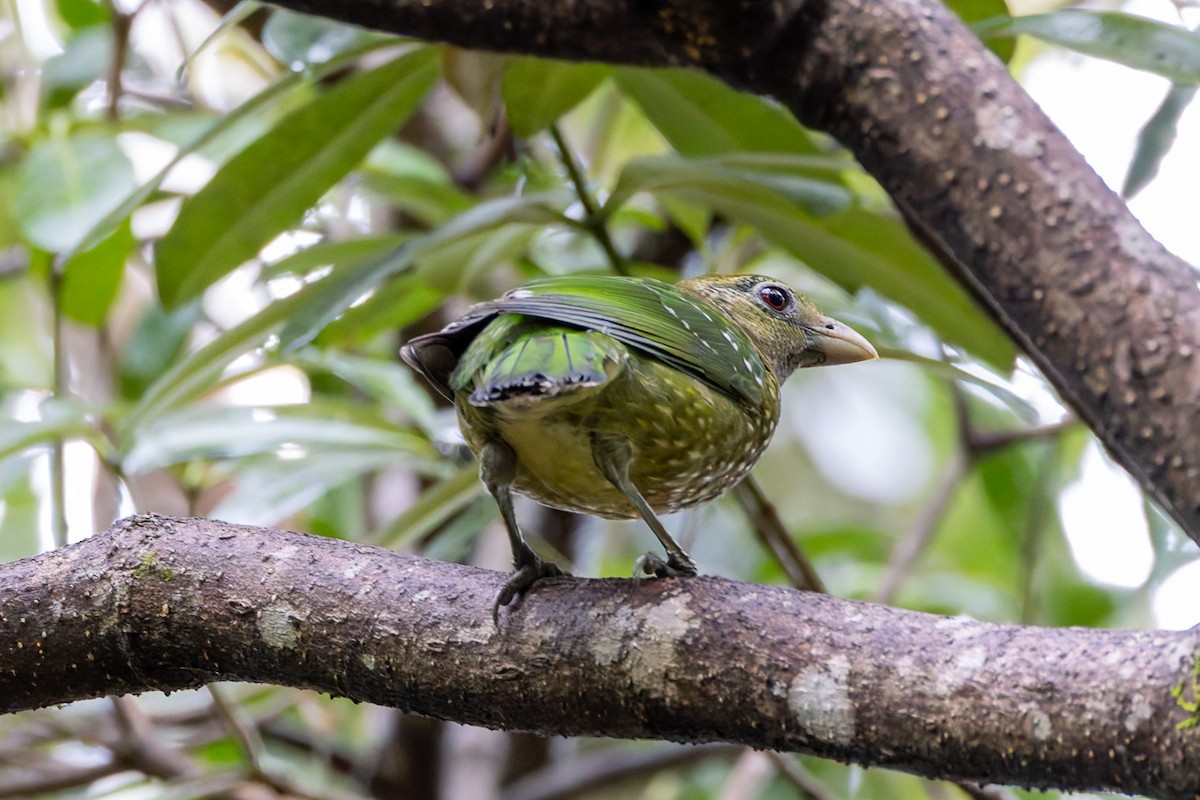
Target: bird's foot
519, 582
651, 566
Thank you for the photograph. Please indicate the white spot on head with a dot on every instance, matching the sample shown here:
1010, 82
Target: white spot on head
819, 700
519, 294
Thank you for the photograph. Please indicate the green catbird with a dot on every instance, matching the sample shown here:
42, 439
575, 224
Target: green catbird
623, 397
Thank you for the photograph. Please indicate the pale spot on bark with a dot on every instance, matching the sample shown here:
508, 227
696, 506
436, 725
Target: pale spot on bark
819, 700
1133, 239
1037, 725
962, 671
276, 627
647, 643
1140, 711
285, 552
972, 659
1001, 128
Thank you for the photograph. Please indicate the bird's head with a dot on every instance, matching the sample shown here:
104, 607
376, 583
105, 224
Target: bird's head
788, 330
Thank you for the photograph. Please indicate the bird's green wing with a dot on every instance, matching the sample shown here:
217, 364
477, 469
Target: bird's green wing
652, 317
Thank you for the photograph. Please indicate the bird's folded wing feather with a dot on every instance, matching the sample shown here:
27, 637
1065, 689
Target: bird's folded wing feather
652, 317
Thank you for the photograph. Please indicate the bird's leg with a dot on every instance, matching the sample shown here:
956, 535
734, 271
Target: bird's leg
613, 455
498, 468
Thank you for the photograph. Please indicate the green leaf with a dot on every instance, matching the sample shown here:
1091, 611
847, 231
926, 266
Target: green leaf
1155, 139
436, 505
345, 286
21, 521
858, 247
221, 432
199, 370
537, 91
850, 245
230, 126
58, 420
26, 340
300, 39
737, 179
972, 11
269, 489
701, 116
84, 60
268, 186
415, 183
91, 278
1137, 42
385, 382
79, 14
333, 254
66, 185
155, 345
229, 20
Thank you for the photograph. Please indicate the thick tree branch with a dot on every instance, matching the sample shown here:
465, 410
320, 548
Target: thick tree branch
161, 603
990, 184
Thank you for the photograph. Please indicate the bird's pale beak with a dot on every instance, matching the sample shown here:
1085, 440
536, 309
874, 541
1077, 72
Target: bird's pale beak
840, 343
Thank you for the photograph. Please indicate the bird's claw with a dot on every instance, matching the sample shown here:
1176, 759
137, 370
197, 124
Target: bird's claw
651, 566
519, 582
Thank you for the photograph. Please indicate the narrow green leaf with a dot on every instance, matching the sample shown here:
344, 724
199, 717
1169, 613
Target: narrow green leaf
433, 508
333, 253
385, 382
21, 521
1137, 42
262, 103
717, 178
850, 245
65, 185
59, 420
26, 338
299, 39
213, 431
972, 11
79, 14
155, 346
269, 185
538, 91
199, 370
230, 19
83, 61
91, 278
415, 182
347, 285
701, 116
269, 488
1155, 139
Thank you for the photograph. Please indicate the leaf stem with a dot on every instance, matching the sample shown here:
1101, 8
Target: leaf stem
59, 383
593, 220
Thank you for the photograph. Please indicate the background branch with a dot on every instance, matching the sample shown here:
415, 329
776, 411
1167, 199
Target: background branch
162, 603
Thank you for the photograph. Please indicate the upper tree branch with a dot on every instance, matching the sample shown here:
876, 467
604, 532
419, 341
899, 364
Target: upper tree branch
990, 184
159, 603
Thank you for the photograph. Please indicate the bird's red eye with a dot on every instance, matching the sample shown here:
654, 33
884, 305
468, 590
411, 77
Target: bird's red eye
775, 297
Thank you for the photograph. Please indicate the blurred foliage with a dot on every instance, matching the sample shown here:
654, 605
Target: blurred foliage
206, 268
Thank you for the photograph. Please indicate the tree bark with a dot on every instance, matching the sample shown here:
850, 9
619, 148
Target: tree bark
163, 603
988, 182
